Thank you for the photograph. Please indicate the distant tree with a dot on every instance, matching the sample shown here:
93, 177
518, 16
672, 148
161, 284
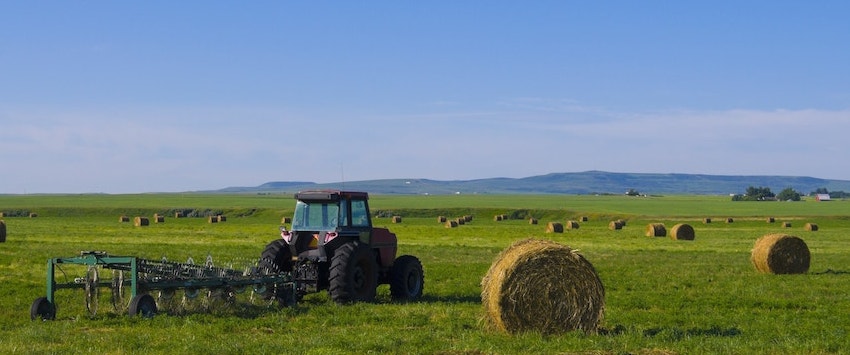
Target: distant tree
788, 194
756, 194
820, 190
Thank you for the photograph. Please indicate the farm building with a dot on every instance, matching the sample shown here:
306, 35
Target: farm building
822, 197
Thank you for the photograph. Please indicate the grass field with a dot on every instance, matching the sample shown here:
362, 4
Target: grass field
662, 296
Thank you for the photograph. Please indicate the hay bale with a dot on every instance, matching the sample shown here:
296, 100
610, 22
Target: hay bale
2, 231
780, 254
451, 224
141, 221
460, 221
554, 227
583, 218
786, 224
221, 218
656, 230
811, 227
622, 222
178, 214
441, 219
572, 225
285, 220
158, 218
706, 220
771, 219
396, 219
123, 219
497, 218
729, 220
615, 225
467, 218
542, 286
212, 219
682, 231
532, 220
33, 215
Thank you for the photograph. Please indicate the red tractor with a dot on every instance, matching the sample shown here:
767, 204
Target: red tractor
333, 246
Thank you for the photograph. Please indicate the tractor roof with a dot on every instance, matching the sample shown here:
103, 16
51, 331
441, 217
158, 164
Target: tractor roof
329, 195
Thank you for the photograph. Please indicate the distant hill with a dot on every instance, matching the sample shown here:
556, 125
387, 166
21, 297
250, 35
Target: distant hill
588, 182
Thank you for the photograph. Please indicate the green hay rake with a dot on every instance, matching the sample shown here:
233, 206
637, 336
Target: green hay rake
141, 277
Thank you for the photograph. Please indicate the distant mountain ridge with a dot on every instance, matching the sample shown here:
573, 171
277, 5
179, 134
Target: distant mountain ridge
587, 182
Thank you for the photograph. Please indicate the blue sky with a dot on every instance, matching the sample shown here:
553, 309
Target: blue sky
125, 97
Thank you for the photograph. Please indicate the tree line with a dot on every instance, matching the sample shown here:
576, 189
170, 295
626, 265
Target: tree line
788, 194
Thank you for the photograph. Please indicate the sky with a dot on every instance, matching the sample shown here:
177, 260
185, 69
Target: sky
172, 96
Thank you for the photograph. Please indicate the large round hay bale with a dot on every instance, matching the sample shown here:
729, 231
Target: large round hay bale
554, 227
141, 221
451, 224
497, 218
622, 222
615, 225
706, 220
543, 286
396, 219
460, 221
682, 231
221, 218
771, 219
2, 231
811, 227
572, 225
532, 220
212, 219
781, 254
441, 219
729, 220
158, 218
656, 230
123, 219
786, 224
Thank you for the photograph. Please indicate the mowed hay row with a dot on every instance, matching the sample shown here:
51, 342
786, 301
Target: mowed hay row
615, 225
539, 285
682, 231
141, 221
554, 227
811, 227
2, 231
656, 230
780, 254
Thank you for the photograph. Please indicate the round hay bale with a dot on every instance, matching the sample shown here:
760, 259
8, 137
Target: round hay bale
786, 224
396, 219
729, 220
572, 225
460, 221
467, 218
141, 221
178, 214
441, 219
682, 231
583, 218
811, 227
771, 219
554, 227
532, 221
615, 225
780, 254
33, 215
157, 218
285, 220
706, 220
221, 218
656, 230
212, 219
123, 219
543, 286
451, 224
622, 222
2, 231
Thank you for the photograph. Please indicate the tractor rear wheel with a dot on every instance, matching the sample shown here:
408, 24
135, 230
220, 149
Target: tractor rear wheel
353, 274
276, 257
407, 279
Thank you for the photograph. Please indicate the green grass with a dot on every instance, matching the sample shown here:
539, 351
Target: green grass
662, 296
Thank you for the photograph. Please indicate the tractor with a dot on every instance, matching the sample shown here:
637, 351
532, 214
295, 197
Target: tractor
333, 246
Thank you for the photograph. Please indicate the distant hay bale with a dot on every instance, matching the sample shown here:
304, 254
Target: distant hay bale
123, 219
572, 225
451, 224
285, 220
542, 286
141, 221
221, 218
771, 219
554, 227
682, 231
622, 222
2, 214
396, 219
178, 214
441, 219
158, 218
706, 220
656, 230
2, 231
212, 219
497, 218
780, 254
811, 227
532, 220
33, 215
583, 218
615, 225
786, 224
729, 220
467, 218
460, 221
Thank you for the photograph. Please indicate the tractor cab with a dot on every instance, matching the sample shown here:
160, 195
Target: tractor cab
325, 219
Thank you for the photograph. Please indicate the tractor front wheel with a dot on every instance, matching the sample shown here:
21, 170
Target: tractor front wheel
276, 257
407, 280
353, 274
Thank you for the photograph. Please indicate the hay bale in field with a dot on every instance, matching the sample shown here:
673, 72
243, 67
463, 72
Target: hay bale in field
467, 218
539, 285
786, 224
780, 254
441, 219
396, 219
141, 221
583, 218
729, 220
2, 231
532, 220
656, 230
158, 218
212, 219
771, 219
451, 224
572, 225
33, 215
622, 222
178, 214
811, 227
706, 220
497, 218
554, 227
221, 218
285, 220
615, 225
682, 231
460, 221
2, 214
123, 219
